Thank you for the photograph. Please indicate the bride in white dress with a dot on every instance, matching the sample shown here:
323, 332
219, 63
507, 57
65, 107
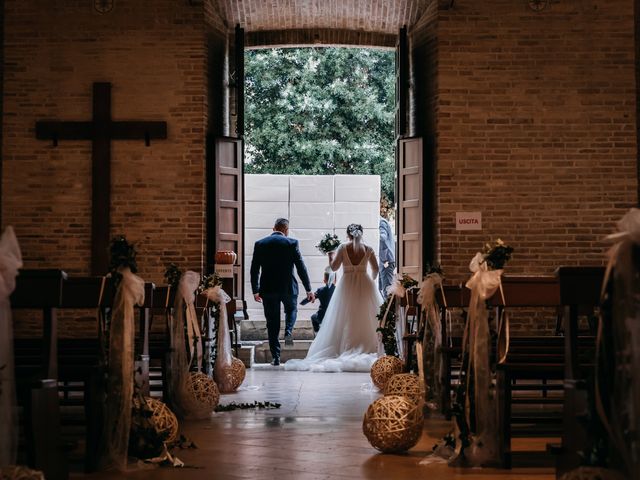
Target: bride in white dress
347, 340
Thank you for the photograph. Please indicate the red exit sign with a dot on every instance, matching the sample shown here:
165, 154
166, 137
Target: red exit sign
468, 220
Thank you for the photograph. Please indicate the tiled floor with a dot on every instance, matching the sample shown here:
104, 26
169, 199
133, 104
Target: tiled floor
316, 434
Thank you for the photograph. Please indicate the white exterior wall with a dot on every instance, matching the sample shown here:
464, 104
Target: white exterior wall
314, 205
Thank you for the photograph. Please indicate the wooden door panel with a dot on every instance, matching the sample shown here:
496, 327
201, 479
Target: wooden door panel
229, 202
410, 205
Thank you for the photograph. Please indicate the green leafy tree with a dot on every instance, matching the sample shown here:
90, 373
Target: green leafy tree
321, 111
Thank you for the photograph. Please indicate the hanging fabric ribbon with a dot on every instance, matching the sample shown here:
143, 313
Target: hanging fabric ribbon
427, 298
10, 262
622, 269
181, 397
224, 358
186, 289
476, 344
120, 372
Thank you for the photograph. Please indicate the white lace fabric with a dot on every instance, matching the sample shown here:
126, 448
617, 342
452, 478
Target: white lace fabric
347, 340
10, 262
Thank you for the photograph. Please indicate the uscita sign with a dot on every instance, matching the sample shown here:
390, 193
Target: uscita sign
468, 220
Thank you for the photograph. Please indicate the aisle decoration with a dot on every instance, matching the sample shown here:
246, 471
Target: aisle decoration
393, 424
204, 390
617, 386
181, 392
328, 243
230, 407
15, 472
384, 368
120, 355
10, 262
406, 385
389, 328
429, 333
154, 427
475, 408
228, 371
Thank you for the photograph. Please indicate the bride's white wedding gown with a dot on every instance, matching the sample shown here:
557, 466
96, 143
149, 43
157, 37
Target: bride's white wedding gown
347, 340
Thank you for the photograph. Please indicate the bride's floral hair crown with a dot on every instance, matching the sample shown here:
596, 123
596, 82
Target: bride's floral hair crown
354, 230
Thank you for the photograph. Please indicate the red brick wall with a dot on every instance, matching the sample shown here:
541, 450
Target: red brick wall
154, 55
536, 128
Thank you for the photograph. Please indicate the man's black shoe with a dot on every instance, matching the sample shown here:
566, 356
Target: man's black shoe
288, 340
275, 362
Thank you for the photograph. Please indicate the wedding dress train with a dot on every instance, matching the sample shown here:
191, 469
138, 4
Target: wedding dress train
347, 340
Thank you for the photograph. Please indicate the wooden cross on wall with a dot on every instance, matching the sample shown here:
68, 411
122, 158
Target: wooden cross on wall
100, 130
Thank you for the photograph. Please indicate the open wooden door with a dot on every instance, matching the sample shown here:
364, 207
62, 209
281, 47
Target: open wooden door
225, 224
410, 207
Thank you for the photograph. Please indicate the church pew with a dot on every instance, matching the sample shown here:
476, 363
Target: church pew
531, 363
80, 359
451, 297
38, 391
580, 294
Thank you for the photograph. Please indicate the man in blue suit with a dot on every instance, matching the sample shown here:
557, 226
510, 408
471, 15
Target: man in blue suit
386, 256
273, 283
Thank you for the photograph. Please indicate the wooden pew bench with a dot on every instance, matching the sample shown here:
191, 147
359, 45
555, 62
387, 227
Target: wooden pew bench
533, 367
80, 372
37, 387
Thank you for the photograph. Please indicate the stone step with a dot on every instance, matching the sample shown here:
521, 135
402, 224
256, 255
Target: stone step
246, 353
287, 352
255, 330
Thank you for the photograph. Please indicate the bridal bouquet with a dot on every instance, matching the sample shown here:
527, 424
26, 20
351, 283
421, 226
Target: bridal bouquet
328, 243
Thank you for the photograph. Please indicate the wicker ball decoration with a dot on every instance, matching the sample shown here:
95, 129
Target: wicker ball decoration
383, 369
163, 419
233, 376
592, 473
17, 472
205, 391
406, 385
393, 424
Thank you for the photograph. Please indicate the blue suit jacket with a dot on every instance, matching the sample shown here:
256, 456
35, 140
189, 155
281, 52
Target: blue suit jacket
387, 252
272, 266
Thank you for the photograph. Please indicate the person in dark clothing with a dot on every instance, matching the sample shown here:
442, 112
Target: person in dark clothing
323, 294
273, 283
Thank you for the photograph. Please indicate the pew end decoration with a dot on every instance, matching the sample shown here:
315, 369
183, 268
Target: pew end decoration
390, 330
10, 262
205, 392
229, 371
406, 385
393, 424
384, 368
429, 333
475, 408
17, 472
119, 333
153, 427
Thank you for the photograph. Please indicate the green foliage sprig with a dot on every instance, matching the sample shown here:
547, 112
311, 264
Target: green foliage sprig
209, 281
122, 254
246, 406
388, 332
497, 255
408, 281
173, 275
328, 243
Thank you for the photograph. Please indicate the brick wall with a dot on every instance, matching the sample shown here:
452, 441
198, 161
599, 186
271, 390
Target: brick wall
536, 128
154, 55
